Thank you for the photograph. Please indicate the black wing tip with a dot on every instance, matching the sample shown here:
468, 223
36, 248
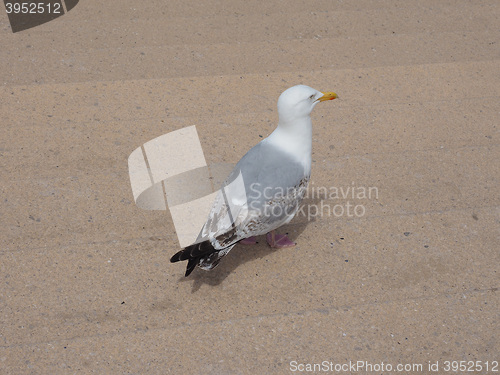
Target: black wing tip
193, 254
176, 257
191, 266
192, 262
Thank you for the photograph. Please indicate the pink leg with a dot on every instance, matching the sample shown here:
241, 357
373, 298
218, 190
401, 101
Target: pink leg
279, 241
249, 241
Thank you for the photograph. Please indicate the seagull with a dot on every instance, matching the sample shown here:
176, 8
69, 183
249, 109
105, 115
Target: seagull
265, 188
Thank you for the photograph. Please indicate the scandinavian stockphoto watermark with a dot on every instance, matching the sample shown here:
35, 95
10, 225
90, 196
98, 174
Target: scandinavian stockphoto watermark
171, 171
319, 201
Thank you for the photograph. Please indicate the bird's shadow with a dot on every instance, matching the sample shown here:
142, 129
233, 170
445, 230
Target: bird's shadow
241, 254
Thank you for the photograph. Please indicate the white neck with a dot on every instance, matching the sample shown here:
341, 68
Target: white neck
295, 138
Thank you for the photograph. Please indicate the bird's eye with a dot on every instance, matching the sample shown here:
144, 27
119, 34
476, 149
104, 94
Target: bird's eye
312, 96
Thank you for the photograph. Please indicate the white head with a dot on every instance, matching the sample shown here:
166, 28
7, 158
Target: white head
298, 101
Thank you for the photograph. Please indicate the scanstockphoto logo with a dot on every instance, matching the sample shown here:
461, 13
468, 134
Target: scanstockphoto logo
27, 14
171, 171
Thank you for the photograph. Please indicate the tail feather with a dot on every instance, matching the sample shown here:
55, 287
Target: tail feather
193, 251
191, 266
193, 254
202, 254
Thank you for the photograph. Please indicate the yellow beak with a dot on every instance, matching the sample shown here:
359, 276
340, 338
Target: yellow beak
327, 96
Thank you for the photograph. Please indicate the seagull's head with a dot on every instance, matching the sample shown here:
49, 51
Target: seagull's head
298, 102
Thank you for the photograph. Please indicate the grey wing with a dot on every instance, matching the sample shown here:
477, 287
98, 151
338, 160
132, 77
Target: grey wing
263, 192
228, 211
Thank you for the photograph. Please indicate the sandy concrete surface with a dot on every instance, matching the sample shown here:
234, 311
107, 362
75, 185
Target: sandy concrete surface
411, 279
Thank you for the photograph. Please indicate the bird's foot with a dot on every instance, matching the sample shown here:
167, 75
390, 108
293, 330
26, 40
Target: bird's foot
279, 241
249, 241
